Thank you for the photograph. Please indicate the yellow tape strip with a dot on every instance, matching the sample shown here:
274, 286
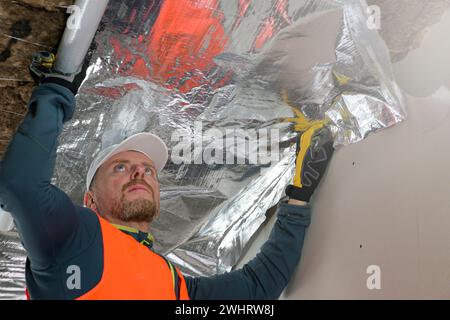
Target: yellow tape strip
305, 143
301, 123
307, 127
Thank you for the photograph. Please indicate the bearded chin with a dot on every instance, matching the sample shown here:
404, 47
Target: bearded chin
139, 210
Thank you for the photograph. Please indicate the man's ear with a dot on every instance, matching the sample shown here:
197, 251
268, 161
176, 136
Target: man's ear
88, 200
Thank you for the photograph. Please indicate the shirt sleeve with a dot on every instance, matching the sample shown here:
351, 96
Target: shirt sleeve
45, 216
264, 277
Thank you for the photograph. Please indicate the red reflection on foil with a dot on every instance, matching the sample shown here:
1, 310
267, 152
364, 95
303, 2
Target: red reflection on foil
243, 7
266, 32
113, 92
180, 48
187, 35
270, 27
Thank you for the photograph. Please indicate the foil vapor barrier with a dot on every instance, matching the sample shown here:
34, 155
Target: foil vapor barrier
210, 74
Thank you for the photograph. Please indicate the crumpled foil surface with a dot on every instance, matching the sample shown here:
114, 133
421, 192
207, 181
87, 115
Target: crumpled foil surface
189, 67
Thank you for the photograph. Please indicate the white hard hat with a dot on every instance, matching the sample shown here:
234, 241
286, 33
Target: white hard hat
149, 144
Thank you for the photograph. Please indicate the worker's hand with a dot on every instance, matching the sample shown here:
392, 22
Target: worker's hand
314, 151
42, 70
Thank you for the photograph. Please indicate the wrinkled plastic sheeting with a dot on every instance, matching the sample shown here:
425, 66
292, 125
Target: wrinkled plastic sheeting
12, 267
232, 64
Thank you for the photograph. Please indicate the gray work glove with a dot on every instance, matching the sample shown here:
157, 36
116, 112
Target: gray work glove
42, 70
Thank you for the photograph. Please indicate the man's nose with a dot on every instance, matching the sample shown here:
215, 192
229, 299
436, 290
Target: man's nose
138, 172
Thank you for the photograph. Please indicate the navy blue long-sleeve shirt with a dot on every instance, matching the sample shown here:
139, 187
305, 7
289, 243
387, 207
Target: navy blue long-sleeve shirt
56, 233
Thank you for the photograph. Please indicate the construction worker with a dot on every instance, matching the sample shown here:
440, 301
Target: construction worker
103, 250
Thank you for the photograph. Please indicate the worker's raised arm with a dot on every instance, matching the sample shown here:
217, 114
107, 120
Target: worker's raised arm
269, 272
43, 214
266, 275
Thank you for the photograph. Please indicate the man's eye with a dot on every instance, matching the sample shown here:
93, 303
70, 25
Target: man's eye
120, 168
148, 171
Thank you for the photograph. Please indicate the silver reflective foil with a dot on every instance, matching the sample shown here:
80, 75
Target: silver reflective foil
197, 70
12, 267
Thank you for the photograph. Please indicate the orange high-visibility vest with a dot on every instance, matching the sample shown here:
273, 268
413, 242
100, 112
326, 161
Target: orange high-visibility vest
133, 272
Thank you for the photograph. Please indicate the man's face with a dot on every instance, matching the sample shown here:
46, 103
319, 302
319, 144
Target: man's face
126, 188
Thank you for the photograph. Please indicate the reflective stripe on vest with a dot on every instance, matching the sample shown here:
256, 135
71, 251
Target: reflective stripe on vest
175, 279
